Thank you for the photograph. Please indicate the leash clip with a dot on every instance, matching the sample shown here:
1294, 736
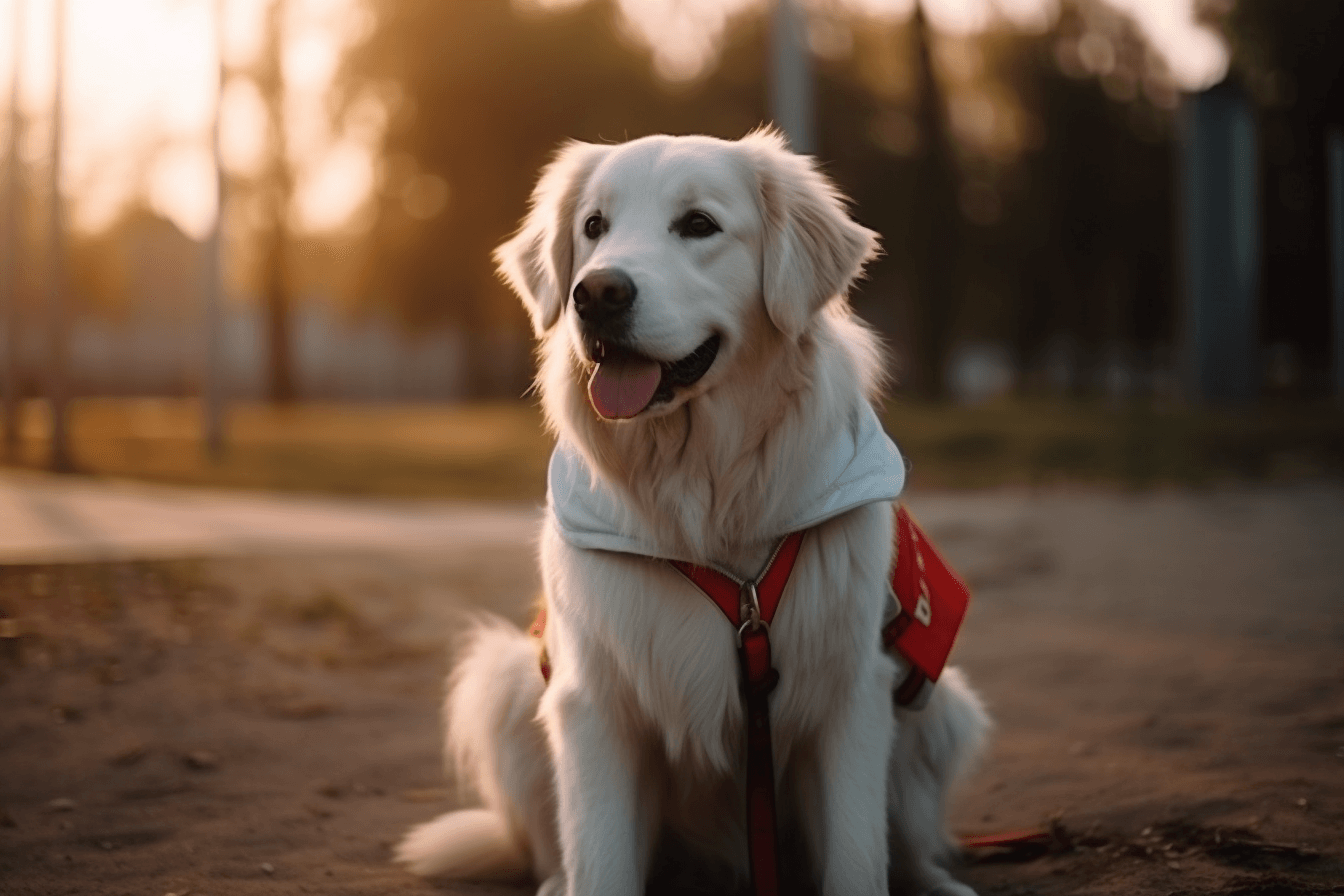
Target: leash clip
749, 611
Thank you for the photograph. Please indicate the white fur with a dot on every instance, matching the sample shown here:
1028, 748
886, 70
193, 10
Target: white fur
639, 734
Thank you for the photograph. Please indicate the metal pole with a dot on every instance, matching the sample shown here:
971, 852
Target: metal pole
791, 77
9, 268
1334, 152
57, 385
212, 371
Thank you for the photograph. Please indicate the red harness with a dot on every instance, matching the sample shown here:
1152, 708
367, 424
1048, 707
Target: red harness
750, 607
931, 603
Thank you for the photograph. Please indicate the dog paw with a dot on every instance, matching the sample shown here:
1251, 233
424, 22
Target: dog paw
948, 888
555, 886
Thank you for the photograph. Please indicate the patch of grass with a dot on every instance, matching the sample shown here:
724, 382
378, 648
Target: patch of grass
480, 451
499, 450
971, 447
327, 607
1136, 445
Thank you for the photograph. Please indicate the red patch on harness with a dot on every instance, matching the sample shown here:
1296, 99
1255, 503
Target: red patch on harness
933, 600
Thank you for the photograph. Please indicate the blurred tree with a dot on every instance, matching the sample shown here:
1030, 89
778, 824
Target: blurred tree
12, 234
1290, 55
58, 299
1092, 224
275, 188
1053, 225
478, 96
936, 248
140, 263
1055, 237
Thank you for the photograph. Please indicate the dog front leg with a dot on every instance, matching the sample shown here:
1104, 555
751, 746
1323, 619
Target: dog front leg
850, 837
607, 825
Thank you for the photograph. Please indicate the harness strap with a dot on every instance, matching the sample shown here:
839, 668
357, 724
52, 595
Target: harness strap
727, 593
750, 608
930, 602
762, 828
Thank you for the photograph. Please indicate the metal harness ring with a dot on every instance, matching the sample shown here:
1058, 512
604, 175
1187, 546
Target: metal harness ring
749, 610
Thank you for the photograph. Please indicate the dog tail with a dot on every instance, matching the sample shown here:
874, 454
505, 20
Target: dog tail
469, 843
935, 748
495, 744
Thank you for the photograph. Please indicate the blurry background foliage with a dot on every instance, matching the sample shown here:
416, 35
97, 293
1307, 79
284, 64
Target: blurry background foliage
1020, 163
1016, 201
1022, 177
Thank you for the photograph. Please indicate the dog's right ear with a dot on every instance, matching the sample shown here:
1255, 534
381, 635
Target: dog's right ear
538, 260
813, 251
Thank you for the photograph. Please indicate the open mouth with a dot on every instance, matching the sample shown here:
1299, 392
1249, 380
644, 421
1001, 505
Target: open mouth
625, 382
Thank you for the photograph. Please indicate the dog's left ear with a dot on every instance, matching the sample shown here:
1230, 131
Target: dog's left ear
537, 261
812, 250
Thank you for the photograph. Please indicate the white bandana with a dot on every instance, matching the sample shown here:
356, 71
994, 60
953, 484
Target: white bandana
860, 466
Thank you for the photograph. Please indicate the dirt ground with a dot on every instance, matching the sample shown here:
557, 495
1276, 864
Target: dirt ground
1166, 671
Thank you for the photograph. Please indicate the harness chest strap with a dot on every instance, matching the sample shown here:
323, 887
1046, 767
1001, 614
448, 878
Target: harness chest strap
929, 602
750, 607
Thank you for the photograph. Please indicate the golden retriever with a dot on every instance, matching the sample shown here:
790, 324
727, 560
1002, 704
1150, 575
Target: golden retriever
710, 390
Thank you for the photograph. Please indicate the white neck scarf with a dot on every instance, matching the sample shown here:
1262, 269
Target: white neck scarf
861, 465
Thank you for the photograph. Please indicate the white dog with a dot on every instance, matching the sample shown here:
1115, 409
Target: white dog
710, 390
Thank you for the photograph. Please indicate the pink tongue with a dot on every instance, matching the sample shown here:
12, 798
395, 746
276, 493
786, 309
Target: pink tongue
622, 387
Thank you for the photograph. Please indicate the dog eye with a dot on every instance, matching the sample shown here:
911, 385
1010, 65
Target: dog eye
594, 227
697, 225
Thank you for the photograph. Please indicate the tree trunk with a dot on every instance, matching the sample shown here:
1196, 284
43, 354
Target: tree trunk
936, 230
277, 187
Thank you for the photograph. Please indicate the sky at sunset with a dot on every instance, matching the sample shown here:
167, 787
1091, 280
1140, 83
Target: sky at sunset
141, 87
141, 83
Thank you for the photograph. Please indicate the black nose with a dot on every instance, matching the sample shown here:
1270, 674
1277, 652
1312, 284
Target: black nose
603, 296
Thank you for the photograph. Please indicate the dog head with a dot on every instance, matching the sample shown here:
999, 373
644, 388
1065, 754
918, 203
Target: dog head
653, 260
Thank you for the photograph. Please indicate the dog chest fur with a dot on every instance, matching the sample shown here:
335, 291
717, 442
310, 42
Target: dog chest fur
666, 658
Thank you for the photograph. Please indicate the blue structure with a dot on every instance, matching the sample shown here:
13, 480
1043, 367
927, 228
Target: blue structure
1220, 231
791, 76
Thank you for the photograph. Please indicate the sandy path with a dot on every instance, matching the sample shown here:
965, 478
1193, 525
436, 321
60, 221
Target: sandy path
47, 518
264, 720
